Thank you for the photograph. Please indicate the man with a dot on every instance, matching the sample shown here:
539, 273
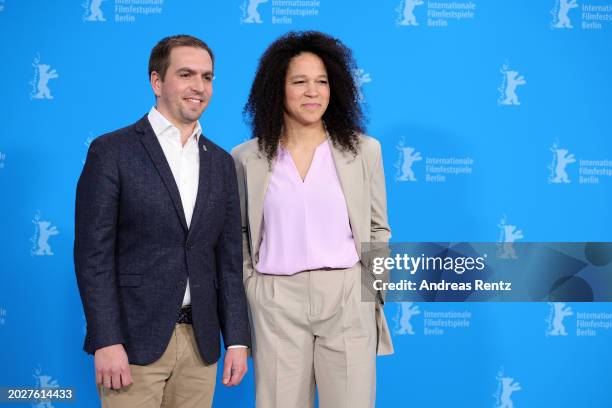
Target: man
158, 246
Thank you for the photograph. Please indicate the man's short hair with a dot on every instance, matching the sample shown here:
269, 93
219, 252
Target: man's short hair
159, 61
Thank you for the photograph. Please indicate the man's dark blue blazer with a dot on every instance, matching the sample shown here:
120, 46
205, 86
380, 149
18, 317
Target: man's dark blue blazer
133, 251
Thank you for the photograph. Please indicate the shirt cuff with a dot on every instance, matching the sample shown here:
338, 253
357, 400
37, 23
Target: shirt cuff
236, 346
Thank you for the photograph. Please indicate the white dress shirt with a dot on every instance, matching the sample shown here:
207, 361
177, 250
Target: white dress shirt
184, 161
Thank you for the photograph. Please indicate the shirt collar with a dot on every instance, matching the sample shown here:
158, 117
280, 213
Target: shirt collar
162, 126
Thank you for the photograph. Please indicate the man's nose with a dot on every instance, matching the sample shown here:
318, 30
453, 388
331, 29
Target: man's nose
198, 85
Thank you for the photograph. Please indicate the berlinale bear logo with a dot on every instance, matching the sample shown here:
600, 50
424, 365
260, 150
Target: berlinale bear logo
561, 13
93, 11
43, 230
250, 15
40, 83
510, 81
561, 158
405, 312
555, 321
407, 157
406, 12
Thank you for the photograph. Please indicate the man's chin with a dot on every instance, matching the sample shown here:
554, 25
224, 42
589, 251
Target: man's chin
192, 116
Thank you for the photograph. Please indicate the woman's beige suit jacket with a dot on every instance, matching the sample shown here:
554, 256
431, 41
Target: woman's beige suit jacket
363, 183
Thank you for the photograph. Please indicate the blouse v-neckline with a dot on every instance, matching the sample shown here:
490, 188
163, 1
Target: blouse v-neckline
315, 155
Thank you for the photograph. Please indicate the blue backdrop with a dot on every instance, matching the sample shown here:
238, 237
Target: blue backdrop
494, 117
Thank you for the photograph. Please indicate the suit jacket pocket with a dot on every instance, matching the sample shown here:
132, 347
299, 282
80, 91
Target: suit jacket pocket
130, 280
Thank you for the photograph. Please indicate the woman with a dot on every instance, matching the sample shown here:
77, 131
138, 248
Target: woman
312, 190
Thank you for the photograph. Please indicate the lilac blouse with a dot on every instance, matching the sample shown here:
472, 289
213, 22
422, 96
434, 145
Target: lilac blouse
306, 224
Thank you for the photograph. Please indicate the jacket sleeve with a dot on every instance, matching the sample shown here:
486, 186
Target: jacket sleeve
380, 231
232, 306
247, 261
96, 214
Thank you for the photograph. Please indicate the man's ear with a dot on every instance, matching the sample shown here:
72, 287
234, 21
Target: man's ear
156, 82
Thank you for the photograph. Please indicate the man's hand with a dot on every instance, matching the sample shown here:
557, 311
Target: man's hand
234, 366
112, 367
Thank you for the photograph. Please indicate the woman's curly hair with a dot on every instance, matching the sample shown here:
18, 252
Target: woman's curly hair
265, 106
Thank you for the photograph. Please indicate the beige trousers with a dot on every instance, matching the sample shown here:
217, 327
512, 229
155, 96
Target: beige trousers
179, 379
312, 329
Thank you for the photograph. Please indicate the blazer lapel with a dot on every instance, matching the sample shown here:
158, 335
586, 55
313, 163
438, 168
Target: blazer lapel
258, 174
150, 142
203, 182
350, 173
